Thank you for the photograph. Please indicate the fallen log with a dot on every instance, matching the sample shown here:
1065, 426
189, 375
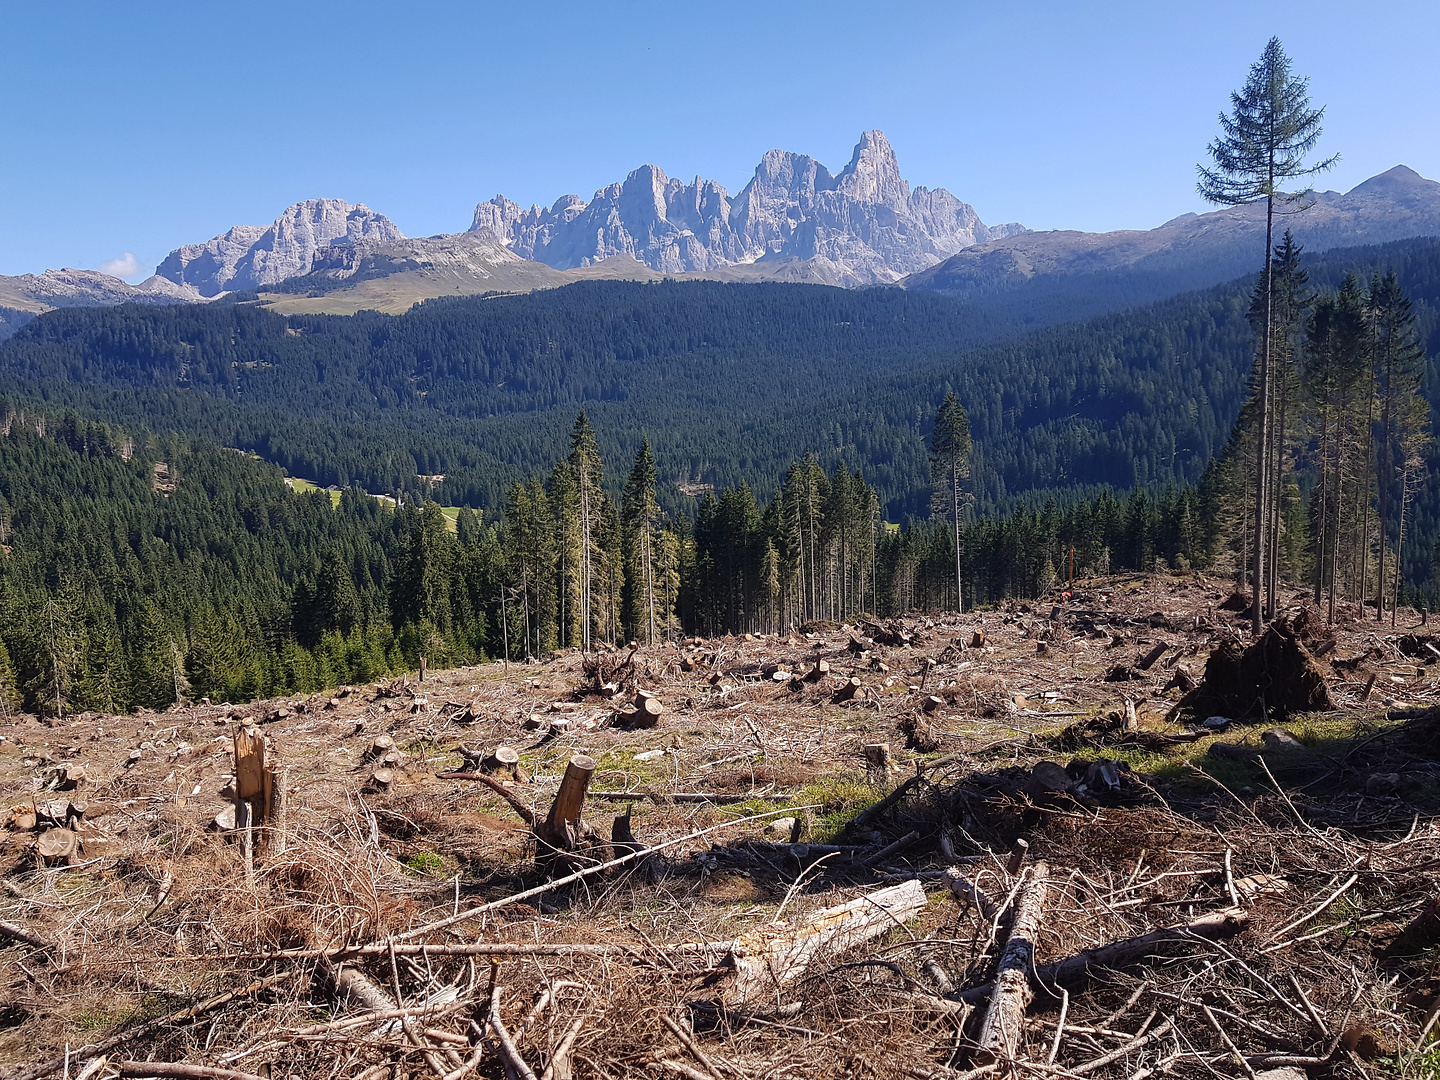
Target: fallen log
781, 952
164, 1070
1073, 972
1148, 660
1011, 992
354, 989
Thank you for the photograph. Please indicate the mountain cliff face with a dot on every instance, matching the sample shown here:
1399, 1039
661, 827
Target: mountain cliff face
865, 225
250, 256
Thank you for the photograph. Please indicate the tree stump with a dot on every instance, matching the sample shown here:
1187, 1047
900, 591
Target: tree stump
847, 689
560, 833
56, 846
504, 759
818, 672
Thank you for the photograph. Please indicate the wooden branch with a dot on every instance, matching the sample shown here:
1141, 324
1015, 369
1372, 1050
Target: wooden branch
1075, 971
1005, 1018
181, 1071
875, 809
526, 814
781, 952
507, 1049
19, 933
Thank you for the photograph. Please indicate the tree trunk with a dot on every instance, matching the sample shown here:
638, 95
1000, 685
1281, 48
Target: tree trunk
1005, 1018
1262, 428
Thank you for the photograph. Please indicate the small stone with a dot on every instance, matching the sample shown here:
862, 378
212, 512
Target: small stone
780, 827
1280, 739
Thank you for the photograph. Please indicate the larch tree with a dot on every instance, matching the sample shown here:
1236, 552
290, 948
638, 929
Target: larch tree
1265, 140
950, 448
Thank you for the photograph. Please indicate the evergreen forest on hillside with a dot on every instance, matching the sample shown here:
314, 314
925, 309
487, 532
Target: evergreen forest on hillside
152, 549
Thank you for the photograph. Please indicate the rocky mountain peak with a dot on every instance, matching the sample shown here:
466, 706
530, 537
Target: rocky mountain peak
873, 174
865, 223
252, 256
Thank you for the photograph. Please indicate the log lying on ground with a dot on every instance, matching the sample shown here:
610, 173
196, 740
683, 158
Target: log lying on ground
1012, 993
1073, 972
780, 953
180, 1071
353, 989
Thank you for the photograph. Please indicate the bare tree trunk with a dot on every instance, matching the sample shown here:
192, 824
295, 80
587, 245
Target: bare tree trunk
1262, 431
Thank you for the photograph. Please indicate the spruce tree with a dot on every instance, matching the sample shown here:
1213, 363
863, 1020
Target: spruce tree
1265, 139
950, 448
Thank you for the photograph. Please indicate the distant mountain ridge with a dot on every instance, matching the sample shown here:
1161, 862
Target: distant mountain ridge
1191, 251
865, 225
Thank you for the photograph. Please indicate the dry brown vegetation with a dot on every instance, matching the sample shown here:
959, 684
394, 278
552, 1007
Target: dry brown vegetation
402, 926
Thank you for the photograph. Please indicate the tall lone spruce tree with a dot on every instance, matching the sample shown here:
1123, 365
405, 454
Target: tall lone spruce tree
1264, 141
950, 448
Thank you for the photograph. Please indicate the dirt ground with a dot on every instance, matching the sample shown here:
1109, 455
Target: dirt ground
150, 949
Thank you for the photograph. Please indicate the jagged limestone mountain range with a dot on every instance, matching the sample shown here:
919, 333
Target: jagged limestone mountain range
794, 221
865, 224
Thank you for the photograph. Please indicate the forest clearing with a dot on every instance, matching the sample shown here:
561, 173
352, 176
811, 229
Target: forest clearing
1019, 841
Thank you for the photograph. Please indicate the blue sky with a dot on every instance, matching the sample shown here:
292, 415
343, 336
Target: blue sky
140, 126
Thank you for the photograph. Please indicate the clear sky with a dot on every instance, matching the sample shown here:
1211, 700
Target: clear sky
135, 127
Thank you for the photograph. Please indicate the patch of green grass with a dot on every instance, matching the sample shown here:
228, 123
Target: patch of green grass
840, 798
425, 864
96, 1019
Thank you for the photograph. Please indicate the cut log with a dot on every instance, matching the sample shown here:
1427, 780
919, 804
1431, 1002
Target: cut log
1074, 972
353, 990
1005, 1018
648, 710
780, 953
1132, 719
847, 690
1148, 660
561, 830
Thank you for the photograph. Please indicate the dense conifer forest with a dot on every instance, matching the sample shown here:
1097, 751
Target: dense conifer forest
152, 548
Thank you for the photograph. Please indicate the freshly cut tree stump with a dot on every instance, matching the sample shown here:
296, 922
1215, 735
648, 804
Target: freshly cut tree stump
501, 759
848, 689
977, 639
561, 832
383, 746
644, 712
1005, 1018
56, 846
818, 672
